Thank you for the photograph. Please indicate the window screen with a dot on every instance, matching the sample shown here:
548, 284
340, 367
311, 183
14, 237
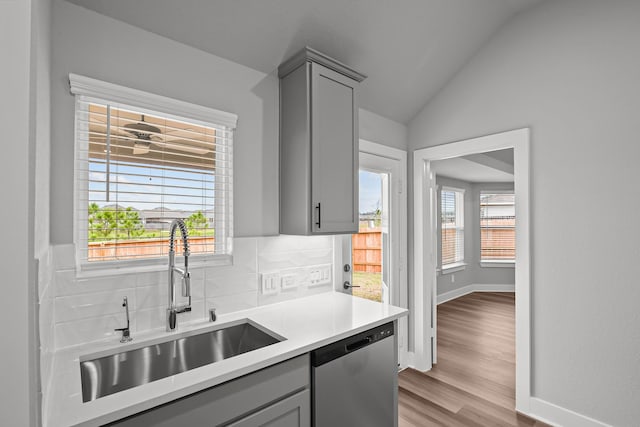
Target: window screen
497, 226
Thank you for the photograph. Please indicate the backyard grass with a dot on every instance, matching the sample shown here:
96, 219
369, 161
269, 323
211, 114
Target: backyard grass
370, 285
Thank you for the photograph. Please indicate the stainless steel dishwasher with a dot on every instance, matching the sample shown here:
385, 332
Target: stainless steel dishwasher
355, 381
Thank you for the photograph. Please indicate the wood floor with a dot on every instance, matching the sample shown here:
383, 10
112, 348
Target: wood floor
473, 383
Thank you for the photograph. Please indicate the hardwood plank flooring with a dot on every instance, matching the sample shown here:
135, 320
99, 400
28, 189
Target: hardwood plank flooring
473, 383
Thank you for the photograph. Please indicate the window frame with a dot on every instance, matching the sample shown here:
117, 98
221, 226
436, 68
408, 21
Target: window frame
499, 263
89, 89
458, 264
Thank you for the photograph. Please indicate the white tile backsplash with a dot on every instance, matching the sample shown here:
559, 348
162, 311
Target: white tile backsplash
95, 304
91, 329
88, 309
236, 302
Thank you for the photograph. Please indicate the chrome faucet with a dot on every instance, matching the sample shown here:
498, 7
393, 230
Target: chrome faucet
173, 310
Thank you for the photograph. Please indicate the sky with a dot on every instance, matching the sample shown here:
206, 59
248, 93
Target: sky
137, 189
370, 191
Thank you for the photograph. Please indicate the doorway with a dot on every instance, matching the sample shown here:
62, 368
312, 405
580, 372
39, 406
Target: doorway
375, 258
426, 249
370, 246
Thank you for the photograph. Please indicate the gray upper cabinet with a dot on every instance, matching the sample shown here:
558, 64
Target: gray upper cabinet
318, 145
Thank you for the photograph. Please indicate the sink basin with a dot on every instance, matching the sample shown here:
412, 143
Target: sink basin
105, 375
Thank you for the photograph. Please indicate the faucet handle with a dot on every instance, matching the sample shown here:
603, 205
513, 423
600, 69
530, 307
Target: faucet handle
126, 334
186, 284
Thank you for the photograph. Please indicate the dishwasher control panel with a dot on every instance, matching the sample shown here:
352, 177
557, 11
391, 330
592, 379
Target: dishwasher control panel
353, 343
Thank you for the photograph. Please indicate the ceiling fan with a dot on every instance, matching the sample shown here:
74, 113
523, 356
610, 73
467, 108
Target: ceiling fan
146, 134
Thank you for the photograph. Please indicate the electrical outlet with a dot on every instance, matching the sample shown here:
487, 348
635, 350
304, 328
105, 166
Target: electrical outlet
320, 275
288, 281
453, 278
270, 282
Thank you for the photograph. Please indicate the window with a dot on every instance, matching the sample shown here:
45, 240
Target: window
497, 227
452, 226
142, 161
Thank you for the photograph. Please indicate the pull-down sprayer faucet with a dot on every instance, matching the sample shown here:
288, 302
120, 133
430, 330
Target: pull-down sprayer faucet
173, 310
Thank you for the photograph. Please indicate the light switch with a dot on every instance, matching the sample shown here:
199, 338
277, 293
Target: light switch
270, 283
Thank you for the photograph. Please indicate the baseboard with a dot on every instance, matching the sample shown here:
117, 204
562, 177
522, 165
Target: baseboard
559, 416
409, 360
474, 287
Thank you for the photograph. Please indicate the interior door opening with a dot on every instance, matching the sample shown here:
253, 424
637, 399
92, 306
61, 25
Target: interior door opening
427, 268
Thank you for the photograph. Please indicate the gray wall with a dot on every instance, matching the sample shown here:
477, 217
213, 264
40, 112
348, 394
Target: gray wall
568, 69
93, 45
96, 46
376, 128
24, 105
473, 273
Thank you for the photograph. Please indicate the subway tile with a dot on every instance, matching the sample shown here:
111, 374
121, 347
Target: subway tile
245, 254
275, 261
284, 243
64, 257
89, 330
46, 322
66, 283
231, 303
150, 278
94, 304
228, 282
88, 309
156, 317
158, 295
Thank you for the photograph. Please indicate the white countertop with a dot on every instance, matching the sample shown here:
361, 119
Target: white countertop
306, 323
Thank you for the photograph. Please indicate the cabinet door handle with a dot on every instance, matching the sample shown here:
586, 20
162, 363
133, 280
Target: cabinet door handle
318, 208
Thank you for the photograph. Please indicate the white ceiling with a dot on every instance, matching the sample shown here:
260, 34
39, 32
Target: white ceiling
477, 167
408, 48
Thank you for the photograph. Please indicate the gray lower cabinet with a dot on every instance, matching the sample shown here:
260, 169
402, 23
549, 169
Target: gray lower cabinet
275, 396
294, 411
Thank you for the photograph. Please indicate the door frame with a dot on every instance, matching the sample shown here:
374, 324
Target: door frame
398, 232
425, 249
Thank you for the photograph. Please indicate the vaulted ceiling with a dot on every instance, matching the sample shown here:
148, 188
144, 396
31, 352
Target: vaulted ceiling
408, 48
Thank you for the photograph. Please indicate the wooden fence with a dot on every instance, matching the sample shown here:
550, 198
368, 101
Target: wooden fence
367, 251
145, 248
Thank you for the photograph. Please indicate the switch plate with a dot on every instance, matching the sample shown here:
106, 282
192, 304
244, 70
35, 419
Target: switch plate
270, 282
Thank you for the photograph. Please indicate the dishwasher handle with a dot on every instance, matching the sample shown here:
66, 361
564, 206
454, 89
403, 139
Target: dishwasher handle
358, 344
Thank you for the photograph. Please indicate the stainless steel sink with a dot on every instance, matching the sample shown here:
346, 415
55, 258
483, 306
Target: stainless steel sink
105, 375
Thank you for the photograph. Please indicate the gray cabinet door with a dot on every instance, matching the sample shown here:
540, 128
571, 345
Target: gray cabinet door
334, 152
229, 401
294, 411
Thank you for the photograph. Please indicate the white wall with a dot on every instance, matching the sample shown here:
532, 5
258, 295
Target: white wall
569, 70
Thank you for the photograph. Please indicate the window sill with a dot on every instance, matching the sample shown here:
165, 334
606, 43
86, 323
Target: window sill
498, 263
452, 268
115, 268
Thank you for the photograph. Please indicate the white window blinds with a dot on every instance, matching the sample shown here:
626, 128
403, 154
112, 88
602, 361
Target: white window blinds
137, 170
452, 226
497, 226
